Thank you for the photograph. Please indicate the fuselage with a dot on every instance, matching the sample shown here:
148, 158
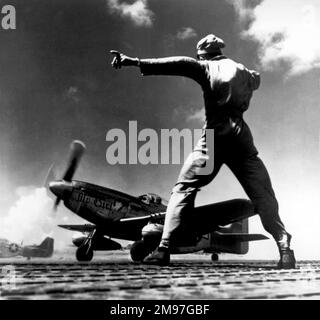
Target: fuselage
9, 249
105, 207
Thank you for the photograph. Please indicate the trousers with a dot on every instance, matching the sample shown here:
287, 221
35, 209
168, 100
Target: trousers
238, 152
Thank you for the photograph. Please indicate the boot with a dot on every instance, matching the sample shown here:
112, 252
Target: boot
287, 259
160, 257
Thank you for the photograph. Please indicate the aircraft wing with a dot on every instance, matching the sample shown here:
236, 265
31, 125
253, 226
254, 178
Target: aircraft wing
125, 228
78, 227
155, 217
89, 227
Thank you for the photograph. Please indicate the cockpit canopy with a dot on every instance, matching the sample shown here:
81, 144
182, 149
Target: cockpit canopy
152, 198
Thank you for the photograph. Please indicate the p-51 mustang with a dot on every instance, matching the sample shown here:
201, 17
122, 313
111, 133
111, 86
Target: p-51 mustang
215, 228
10, 249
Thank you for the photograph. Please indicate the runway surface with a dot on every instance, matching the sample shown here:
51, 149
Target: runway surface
114, 276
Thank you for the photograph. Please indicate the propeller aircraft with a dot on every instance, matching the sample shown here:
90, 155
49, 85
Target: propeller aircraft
10, 249
216, 228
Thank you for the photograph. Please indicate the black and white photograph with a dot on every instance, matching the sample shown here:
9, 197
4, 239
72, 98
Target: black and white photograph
159, 150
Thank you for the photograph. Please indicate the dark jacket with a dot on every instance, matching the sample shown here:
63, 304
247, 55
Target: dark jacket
227, 86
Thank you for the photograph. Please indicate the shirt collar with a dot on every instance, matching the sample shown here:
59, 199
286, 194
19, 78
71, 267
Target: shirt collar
219, 57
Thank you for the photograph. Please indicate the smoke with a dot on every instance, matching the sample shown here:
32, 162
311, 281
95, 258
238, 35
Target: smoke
31, 218
287, 31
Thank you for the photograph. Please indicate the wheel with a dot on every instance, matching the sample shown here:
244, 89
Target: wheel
214, 257
84, 254
139, 251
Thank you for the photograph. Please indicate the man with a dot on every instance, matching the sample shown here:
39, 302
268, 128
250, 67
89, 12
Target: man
227, 89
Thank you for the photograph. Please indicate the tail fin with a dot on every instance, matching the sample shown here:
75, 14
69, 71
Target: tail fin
47, 244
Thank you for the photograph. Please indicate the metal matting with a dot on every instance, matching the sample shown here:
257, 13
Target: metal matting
188, 277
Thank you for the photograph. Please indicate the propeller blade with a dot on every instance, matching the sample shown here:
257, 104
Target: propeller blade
77, 149
49, 177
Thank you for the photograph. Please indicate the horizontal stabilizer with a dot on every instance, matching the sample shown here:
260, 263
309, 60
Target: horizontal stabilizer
240, 237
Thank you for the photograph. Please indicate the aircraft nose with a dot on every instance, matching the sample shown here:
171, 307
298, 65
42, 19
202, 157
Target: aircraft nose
61, 189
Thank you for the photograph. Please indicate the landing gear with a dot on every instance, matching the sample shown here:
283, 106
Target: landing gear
139, 250
214, 257
85, 251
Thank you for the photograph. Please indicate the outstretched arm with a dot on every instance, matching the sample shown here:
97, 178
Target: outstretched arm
175, 66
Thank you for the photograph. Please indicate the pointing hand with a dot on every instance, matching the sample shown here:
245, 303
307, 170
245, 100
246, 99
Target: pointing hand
120, 60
